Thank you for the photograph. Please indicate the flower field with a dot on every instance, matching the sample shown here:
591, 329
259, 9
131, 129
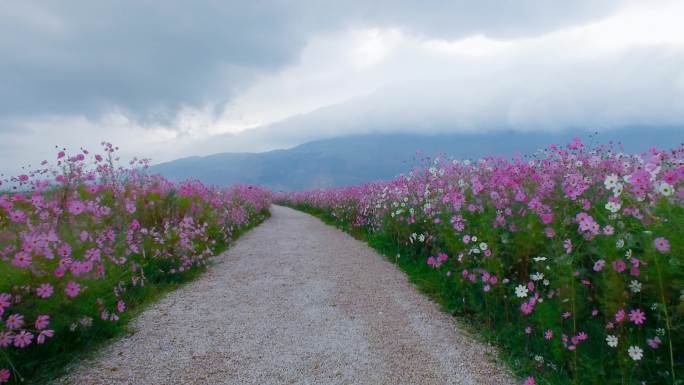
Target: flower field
83, 241
571, 260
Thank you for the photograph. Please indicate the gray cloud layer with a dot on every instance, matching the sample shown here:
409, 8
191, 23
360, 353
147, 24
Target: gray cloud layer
148, 58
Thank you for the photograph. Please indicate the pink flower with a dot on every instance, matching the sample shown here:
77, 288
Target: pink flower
14, 321
72, 289
6, 339
598, 265
661, 244
637, 316
620, 315
42, 322
567, 245
121, 306
23, 339
64, 250
5, 300
130, 206
619, 265
4, 375
548, 334
76, 207
653, 342
530, 381
44, 291
22, 260
527, 308
43, 335
549, 232
432, 262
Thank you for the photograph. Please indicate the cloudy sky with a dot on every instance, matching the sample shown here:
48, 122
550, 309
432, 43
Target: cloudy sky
167, 79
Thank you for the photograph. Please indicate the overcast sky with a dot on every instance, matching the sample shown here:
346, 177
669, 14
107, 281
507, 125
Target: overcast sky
166, 79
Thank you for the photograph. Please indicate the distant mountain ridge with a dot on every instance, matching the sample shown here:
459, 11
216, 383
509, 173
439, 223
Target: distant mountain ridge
363, 158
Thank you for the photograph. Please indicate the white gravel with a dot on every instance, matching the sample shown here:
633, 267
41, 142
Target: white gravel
295, 302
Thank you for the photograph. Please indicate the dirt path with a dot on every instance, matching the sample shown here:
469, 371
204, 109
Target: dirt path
295, 302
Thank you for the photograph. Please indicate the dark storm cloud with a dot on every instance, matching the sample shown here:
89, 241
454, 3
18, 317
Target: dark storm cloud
148, 58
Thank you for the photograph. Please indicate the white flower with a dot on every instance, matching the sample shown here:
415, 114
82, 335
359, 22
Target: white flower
611, 181
539, 358
665, 188
635, 352
660, 331
546, 282
612, 341
628, 254
613, 207
617, 190
483, 246
521, 291
620, 243
635, 286
539, 259
421, 238
537, 276
474, 239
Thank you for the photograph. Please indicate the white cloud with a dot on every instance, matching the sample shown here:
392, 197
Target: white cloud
625, 69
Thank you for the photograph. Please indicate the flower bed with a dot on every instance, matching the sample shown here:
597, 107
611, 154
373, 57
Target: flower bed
572, 260
82, 242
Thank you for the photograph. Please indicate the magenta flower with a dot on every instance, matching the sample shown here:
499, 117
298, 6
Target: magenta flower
530, 381
661, 244
4, 375
548, 334
637, 316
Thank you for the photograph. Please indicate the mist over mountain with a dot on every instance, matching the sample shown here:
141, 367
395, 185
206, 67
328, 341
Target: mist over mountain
363, 158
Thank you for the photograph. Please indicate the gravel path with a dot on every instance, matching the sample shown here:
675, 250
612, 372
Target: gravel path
295, 302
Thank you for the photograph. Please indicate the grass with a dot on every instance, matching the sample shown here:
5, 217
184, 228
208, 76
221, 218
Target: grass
432, 283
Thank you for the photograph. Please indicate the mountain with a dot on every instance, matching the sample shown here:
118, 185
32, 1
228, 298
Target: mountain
362, 158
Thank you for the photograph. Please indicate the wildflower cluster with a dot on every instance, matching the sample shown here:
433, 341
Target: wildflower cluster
82, 238
573, 256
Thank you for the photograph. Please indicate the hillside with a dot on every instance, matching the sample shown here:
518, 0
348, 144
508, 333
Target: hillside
363, 158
